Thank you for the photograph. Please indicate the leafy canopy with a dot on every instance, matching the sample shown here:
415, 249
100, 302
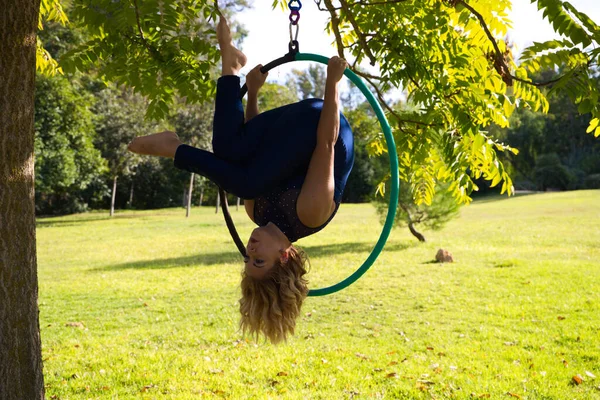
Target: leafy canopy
449, 55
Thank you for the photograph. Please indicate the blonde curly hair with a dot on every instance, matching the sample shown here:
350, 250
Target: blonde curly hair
271, 305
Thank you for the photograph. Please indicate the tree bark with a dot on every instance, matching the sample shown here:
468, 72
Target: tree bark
415, 233
20, 345
411, 226
201, 195
189, 197
131, 195
218, 202
237, 205
113, 197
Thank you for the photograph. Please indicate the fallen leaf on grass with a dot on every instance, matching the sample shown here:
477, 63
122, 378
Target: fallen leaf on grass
148, 387
560, 318
513, 395
392, 375
324, 361
484, 396
577, 379
429, 348
282, 373
363, 356
75, 325
588, 373
425, 382
377, 369
216, 371
509, 343
393, 363
565, 363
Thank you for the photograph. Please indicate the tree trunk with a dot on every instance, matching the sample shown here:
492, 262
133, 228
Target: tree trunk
201, 195
189, 197
415, 233
411, 226
114, 196
20, 345
218, 200
237, 205
131, 196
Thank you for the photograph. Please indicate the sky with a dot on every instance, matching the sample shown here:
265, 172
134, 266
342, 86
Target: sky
268, 29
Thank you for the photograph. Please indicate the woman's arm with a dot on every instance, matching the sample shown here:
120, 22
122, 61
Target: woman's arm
254, 81
315, 203
249, 206
252, 105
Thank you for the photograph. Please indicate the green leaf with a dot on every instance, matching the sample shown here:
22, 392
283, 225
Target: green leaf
585, 106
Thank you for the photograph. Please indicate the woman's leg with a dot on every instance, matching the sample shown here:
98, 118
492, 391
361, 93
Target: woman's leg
284, 153
228, 118
231, 114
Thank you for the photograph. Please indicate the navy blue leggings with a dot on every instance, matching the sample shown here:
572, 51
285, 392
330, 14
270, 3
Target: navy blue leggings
251, 159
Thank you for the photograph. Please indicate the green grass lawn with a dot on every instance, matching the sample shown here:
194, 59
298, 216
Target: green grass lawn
144, 306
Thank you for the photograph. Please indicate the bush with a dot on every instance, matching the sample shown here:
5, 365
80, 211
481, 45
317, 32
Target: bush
550, 173
592, 182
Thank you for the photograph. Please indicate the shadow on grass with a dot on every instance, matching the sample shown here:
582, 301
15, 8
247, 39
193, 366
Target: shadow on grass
51, 222
233, 257
44, 222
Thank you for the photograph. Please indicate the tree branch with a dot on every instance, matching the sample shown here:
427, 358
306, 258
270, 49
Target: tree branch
335, 26
137, 18
375, 3
358, 33
152, 50
499, 62
400, 120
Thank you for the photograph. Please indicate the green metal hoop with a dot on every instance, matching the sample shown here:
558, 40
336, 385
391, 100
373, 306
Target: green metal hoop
393, 156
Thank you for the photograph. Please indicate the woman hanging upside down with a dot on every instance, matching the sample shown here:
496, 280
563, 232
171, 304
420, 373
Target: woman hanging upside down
290, 165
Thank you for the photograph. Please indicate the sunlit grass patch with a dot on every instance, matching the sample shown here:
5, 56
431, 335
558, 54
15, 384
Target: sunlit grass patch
145, 306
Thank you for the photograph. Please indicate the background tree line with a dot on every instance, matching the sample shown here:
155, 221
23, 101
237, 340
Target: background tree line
83, 127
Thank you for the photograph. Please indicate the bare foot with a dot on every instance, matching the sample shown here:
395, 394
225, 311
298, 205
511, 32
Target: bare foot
233, 59
163, 144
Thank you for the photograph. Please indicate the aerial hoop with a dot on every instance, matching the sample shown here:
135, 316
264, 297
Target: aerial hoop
294, 55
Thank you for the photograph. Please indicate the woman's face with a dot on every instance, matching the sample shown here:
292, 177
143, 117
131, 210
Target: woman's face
264, 250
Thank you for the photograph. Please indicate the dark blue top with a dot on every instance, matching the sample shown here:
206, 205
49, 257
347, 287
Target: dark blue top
267, 158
